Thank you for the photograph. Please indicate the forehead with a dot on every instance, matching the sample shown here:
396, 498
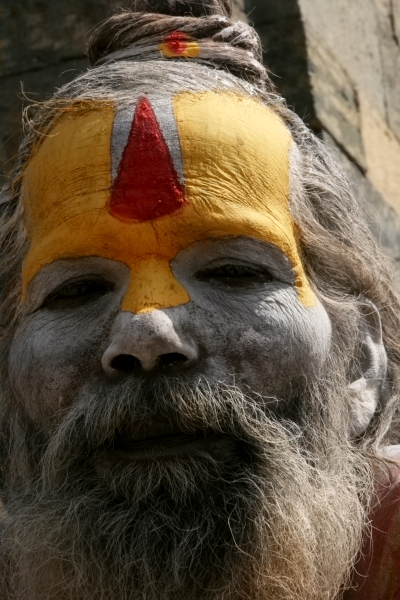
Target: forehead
232, 140
155, 176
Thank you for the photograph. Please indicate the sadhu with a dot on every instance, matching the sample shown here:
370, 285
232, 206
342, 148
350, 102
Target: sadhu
200, 338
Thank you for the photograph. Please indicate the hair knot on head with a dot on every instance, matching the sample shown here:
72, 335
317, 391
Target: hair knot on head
184, 8
210, 37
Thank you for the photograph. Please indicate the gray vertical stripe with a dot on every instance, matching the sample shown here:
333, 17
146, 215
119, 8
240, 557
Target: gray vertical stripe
119, 137
162, 107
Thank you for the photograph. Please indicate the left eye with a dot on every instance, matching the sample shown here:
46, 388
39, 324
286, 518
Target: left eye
76, 293
237, 276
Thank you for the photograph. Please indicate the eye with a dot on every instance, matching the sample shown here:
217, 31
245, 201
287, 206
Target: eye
236, 276
77, 293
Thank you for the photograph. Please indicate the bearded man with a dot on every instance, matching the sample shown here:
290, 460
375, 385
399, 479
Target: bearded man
200, 338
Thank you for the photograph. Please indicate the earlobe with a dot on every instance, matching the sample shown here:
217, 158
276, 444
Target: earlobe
365, 391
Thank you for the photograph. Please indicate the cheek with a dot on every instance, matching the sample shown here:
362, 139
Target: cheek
52, 357
270, 346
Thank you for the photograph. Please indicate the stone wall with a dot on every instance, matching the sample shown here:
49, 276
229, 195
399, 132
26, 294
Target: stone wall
338, 64
279, 24
354, 56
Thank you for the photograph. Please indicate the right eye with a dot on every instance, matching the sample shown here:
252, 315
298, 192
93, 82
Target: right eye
236, 276
77, 293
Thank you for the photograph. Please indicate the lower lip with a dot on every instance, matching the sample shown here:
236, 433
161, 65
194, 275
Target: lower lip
171, 446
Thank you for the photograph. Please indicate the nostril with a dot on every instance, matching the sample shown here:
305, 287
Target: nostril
126, 363
171, 359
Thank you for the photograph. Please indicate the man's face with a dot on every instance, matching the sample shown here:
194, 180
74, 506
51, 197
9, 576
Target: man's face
168, 334
162, 242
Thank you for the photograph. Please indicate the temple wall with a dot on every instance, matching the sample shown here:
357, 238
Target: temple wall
338, 64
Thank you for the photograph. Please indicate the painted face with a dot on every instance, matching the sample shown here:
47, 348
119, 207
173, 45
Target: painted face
163, 230
180, 170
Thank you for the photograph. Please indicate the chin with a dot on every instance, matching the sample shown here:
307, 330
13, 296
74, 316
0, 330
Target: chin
180, 491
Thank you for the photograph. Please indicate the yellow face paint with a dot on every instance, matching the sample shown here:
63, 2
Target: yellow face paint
236, 167
179, 44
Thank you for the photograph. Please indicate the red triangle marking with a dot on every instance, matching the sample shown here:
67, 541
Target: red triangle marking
147, 186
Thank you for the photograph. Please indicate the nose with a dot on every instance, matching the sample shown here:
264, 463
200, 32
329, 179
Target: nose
145, 343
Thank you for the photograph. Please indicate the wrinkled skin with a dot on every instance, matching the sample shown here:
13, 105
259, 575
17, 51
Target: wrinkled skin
243, 325
78, 352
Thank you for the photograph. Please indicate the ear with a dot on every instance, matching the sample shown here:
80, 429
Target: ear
366, 390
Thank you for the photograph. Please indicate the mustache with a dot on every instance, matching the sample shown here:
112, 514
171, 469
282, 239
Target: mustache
275, 512
133, 408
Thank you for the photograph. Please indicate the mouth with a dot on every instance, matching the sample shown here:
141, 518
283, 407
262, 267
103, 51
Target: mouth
160, 439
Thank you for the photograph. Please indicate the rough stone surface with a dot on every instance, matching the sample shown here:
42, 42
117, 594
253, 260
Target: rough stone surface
382, 219
349, 92
354, 55
279, 25
39, 33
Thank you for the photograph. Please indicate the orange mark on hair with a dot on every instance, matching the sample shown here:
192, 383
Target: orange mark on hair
147, 185
179, 43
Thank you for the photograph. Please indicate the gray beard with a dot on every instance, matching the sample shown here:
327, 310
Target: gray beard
280, 516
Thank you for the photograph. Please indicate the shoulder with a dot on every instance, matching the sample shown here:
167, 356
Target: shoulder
377, 573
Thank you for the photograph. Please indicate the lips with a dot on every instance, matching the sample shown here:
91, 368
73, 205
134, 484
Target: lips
166, 446
159, 438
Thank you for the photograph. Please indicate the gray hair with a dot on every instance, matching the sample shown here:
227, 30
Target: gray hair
342, 261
